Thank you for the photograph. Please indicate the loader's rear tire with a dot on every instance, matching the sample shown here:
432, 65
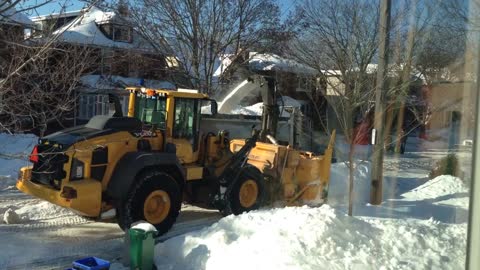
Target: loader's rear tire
248, 192
156, 198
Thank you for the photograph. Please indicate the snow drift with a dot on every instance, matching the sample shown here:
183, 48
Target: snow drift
315, 238
408, 231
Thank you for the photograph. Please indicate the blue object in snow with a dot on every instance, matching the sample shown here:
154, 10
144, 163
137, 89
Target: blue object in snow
142, 82
91, 263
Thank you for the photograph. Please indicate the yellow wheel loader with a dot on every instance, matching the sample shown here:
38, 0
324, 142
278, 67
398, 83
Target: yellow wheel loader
145, 165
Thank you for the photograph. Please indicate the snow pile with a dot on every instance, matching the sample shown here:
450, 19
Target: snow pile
444, 189
32, 210
442, 185
315, 238
11, 217
420, 225
255, 109
38, 209
14, 152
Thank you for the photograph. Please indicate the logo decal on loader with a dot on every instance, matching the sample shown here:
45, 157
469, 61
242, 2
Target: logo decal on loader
145, 133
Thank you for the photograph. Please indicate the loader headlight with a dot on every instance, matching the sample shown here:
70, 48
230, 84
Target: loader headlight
78, 168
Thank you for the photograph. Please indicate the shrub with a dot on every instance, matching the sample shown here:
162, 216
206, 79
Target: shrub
447, 165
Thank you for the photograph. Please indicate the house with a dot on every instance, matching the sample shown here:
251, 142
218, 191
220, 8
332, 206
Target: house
12, 28
14, 22
452, 109
122, 57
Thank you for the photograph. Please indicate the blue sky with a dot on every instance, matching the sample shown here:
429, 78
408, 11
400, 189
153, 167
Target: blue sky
55, 6
70, 5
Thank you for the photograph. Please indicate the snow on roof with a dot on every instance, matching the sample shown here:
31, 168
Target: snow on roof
12, 16
266, 62
85, 30
57, 15
372, 68
331, 72
100, 82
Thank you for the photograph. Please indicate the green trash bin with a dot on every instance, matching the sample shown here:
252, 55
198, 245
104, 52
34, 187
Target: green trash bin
141, 248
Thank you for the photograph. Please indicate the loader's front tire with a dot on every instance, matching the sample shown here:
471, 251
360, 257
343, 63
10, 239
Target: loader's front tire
155, 198
248, 192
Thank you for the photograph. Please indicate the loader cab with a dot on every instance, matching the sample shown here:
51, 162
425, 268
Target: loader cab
176, 114
186, 121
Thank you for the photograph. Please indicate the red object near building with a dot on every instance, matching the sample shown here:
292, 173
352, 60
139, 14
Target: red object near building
361, 134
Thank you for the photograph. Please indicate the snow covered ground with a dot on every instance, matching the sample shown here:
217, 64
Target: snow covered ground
421, 224
411, 230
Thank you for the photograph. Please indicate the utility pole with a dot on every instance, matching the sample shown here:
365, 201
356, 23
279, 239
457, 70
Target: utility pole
377, 166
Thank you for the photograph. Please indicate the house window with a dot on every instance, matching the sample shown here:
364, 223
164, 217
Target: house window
91, 105
116, 32
122, 33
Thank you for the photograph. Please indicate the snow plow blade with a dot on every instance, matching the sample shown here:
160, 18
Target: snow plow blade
302, 176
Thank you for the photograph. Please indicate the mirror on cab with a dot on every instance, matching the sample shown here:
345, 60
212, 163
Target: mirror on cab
213, 107
209, 106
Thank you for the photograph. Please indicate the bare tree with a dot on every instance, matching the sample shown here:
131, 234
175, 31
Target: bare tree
41, 91
37, 79
198, 32
339, 39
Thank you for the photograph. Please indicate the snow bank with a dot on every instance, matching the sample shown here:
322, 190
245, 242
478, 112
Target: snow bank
443, 189
37, 209
315, 238
422, 227
32, 210
14, 152
11, 217
255, 109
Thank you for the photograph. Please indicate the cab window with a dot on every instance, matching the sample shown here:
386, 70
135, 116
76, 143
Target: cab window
185, 119
150, 110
